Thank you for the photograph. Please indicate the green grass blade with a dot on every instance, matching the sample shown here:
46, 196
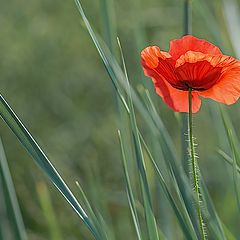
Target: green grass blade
231, 12
104, 59
47, 209
37, 154
228, 159
11, 198
208, 18
234, 144
154, 123
229, 235
4, 222
185, 222
99, 224
236, 155
149, 215
129, 190
212, 217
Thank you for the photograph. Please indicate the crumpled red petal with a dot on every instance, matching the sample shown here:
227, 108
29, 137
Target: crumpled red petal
227, 88
218, 74
190, 43
176, 99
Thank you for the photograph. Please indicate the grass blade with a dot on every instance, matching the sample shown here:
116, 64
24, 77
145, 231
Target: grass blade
228, 159
234, 143
185, 222
10, 196
37, 154
149, 215
231, 12
235, 178
47, 208
104, 59
212, 217
129, 190
99, 224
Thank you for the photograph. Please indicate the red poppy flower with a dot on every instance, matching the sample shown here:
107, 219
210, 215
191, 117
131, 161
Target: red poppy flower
192, 63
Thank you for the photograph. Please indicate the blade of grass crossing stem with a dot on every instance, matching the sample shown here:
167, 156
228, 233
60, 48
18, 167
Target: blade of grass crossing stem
236, 155
47, 209
104, 59
228, 159
37, 154
229, 235
149, 215
185, 221
129, 191
234, 144
91, 214
11, 198
213, 220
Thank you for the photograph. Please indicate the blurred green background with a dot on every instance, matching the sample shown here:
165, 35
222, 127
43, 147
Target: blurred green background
54, 79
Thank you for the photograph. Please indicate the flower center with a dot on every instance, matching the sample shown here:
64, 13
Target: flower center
199, 76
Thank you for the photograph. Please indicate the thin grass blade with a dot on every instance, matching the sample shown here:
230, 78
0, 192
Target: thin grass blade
41, 159
11, 197
185, 221
236, 155
149, 215
131, 200
234, 144
47, 208
228, 159
99, 224
104, 59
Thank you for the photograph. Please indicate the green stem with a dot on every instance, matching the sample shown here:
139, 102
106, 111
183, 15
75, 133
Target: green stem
194, 165
187, 28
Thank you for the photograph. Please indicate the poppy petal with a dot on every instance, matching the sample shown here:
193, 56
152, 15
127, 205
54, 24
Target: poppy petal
198, 70
160, 62
190, 43
227, 88
176, 99
150, 56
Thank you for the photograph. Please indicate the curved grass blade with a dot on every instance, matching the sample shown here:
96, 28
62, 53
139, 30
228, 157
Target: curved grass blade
37, 154
131, 200
10, 196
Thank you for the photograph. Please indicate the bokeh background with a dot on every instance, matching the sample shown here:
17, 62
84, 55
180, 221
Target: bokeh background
52, 76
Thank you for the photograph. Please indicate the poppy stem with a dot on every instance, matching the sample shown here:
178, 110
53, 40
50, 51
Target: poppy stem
194, 165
